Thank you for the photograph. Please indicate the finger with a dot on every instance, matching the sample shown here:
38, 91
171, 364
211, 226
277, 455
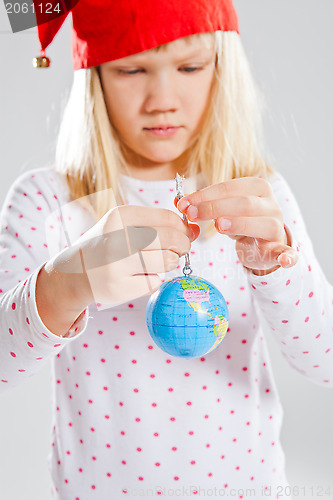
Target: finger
104, 249
234, 206
194, 227
176, 199
254, 186
284, 255
266, 228
128, 287
264, 255
145, 262
195, 231
169, 239
131, 215
288, 257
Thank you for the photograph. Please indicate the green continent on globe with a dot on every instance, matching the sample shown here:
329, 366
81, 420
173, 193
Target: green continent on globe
190, 284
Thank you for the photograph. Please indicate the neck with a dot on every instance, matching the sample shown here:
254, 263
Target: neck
151, 171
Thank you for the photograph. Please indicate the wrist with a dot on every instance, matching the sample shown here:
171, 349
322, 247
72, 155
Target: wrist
60, 298
263, 272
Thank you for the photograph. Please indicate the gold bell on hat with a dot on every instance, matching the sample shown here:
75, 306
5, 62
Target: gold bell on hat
42, 61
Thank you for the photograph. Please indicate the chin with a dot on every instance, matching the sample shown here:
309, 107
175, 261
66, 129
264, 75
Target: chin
166, 157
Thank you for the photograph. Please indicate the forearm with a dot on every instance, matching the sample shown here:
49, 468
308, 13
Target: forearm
297, 305
61, 298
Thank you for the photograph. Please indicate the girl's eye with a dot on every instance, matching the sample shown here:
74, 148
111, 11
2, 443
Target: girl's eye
129, 72
190, 69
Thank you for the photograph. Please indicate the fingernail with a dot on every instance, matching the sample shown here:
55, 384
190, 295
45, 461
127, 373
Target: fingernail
182, 205
191, 236
192, 212
224, 224
287, 261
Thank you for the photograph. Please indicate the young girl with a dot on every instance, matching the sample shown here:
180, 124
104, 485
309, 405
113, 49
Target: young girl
159, 88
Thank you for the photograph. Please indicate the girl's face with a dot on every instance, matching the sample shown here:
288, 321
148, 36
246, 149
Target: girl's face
156, 101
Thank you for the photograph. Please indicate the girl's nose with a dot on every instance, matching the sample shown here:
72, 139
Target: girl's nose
162, 94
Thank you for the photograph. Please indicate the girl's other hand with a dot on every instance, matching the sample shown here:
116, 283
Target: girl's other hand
246, 210
122, 253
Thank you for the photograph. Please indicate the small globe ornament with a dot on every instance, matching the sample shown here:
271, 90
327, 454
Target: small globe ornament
187, 317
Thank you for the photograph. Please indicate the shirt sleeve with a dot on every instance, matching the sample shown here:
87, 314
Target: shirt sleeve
26, 343
297, 303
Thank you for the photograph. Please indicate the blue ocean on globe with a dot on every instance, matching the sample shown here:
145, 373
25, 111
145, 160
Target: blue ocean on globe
187, 317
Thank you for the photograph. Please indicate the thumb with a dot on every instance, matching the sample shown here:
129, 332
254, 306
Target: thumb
176, 200
287, 257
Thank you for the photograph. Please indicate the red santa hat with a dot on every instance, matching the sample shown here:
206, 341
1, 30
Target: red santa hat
105, 30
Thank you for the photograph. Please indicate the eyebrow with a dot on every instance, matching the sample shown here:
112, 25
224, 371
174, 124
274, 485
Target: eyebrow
138, 58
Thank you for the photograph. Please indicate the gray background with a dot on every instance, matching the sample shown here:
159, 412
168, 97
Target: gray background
289, 44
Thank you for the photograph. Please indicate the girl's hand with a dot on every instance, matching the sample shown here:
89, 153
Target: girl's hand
245, 209
119, 257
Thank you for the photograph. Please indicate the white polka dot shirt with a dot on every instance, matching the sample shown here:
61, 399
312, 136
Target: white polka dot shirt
129, 419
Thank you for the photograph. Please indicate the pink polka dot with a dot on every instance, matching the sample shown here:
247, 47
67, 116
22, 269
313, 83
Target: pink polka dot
13, 354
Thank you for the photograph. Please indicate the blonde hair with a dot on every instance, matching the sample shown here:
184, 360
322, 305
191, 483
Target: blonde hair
90, 155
